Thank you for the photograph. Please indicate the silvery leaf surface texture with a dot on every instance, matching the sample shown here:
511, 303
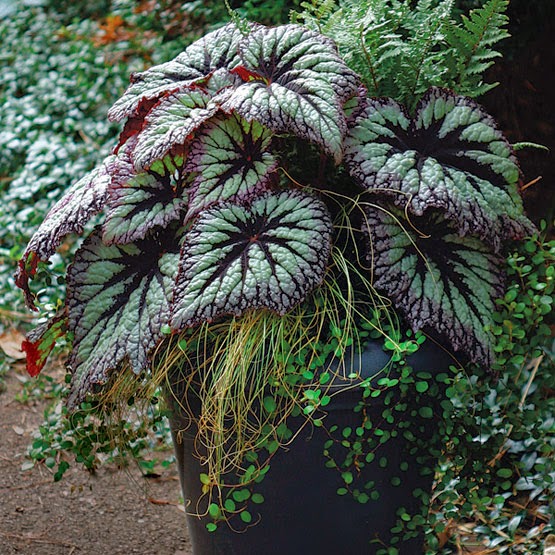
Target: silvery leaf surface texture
218, 49
69, 215
269, 253
449, 156
295, 82
118, 299
441, 282
142, 200
287, 78
171, 122
230, 157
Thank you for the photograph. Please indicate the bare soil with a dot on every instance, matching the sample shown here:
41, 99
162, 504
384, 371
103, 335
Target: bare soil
115, 512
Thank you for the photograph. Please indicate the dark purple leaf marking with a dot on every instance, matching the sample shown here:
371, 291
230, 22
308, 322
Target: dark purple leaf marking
230, 158
267, 254
140, 201
451, 156
118, 299
443, 283
294, 82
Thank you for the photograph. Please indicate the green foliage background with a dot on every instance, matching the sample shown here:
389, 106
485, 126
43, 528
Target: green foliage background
63, 65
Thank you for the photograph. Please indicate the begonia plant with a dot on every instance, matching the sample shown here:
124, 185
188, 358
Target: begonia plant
243, 165
202, 217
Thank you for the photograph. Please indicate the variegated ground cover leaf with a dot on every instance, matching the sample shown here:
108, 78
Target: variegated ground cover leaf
230, 158
295, 82
450, 156
140, 201
215, 50
267, 254
443, 283
118, 299
69, 215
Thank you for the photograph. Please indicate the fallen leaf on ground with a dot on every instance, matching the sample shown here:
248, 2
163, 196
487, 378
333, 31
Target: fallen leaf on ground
10, 343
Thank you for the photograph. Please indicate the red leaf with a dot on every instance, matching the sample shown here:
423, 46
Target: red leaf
39, 343
35, 359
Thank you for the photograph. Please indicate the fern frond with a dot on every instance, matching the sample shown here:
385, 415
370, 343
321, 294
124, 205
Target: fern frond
400, 48
423, 67
241, 23
471, 42
368, 38
314, 13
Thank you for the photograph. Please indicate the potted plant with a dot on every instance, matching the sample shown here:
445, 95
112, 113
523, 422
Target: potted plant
274, 241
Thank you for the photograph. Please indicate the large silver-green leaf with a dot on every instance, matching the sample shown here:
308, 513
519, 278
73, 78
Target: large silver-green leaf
118, 300
69, 215
295, 82
450, 156
443, 283
267, 254
230, 159
215, 50
140, 201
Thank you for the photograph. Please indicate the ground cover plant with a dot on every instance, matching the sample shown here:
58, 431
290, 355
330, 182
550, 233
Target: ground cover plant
176, 115
58, 83
62, 71
501, 434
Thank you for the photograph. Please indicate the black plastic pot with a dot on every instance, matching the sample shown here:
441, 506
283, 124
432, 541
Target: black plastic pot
302, 512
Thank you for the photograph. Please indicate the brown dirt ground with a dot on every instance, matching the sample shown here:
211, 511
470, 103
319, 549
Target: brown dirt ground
117, 512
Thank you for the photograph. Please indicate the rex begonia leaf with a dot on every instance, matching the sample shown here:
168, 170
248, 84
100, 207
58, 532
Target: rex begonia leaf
215, 50
40, 342
295, 82
450, 156
139, 201
266, 254
171, 122
230, 158
443, 283
69, 215
118, 299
